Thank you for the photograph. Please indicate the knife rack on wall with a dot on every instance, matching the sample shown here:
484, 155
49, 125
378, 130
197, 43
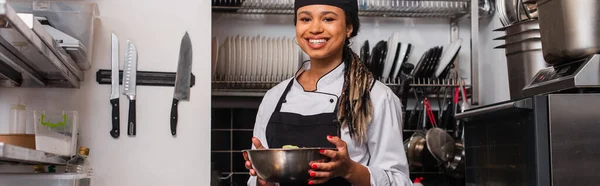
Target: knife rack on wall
144, 78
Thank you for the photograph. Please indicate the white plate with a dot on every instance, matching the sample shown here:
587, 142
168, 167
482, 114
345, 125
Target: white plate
254, 64
214, 55
282, 65
228, 58
447, 56
291, 57
260, 59
286, 58
389, 59
222, 58
264, 58
232, 60
400, 60
270, 68
244, 57
238, 59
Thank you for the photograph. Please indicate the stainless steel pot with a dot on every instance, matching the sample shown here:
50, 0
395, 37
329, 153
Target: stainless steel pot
570, 29
524, 56
522, 67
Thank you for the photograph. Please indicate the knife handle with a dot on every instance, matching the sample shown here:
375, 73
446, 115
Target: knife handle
131, 124
174, 116
115, 118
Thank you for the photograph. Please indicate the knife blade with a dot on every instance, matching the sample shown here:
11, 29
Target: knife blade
182, 79
114, 96
129, 84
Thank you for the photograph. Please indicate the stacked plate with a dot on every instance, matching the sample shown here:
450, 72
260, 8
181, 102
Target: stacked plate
437, 61
388, 58
257, 59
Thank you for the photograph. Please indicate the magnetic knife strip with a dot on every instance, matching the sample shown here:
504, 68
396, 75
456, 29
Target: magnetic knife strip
144, 78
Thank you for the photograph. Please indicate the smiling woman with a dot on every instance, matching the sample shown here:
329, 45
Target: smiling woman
334, 102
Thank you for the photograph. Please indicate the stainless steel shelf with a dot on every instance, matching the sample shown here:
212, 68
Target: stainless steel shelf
377, 8
241, 88
43, 176
19, 155
30, 56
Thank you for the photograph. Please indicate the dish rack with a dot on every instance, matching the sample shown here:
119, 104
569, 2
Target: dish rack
399, 8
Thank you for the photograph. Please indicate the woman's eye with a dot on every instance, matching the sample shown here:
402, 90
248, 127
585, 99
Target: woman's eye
304, 19
328, 19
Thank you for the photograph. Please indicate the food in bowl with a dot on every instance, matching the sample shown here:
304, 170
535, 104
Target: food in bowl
290, 147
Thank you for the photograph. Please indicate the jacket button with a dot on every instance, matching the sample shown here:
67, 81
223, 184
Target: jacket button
331, 100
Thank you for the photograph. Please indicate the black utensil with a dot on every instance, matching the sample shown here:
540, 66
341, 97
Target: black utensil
365, 55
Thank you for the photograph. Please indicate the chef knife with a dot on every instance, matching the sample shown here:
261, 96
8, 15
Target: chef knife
129, 84
182, 79
114, 96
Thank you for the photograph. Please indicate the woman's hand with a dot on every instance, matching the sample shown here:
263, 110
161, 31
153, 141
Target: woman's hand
258, 145
340, 165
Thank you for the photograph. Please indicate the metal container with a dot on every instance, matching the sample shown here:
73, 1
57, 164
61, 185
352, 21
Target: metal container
570, 29
284, 165
520, 36
524, 55
522, 67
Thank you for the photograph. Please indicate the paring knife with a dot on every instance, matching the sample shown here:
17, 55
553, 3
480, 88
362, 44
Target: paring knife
115, 92
129, 84
182, 79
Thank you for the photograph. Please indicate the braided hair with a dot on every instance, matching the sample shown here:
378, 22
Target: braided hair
355, 107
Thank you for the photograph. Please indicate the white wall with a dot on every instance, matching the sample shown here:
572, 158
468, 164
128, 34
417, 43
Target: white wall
153, 157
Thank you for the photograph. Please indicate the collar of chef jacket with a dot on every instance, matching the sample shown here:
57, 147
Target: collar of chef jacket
326, 84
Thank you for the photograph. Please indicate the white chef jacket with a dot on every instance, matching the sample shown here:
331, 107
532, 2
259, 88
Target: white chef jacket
384, 145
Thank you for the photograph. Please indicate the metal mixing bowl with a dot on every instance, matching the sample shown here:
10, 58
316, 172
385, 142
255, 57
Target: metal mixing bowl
285, 165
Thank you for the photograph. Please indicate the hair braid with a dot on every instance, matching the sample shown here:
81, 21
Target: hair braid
356, 109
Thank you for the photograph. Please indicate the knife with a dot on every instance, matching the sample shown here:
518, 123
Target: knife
114, 96
129, 84
182, 79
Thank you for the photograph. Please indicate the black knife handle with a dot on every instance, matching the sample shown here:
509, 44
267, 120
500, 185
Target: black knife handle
115, 118
131, 124
174, 116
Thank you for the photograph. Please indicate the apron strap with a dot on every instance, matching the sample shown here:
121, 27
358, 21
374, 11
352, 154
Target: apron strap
285, 92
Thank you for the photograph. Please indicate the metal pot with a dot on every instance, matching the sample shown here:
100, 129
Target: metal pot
515, 11
524, 59
570, 29
522, 67
455, 167
417, 153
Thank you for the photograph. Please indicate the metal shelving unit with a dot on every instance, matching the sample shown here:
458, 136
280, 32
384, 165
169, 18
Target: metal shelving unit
12, 154
424, 8
21, 156
225, 87
31, 57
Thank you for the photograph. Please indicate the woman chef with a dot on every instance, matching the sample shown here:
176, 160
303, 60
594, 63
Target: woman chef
334, 93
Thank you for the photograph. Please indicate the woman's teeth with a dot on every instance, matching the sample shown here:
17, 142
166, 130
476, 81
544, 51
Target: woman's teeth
317, 41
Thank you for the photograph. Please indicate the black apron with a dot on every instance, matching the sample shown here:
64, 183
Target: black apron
302, 131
